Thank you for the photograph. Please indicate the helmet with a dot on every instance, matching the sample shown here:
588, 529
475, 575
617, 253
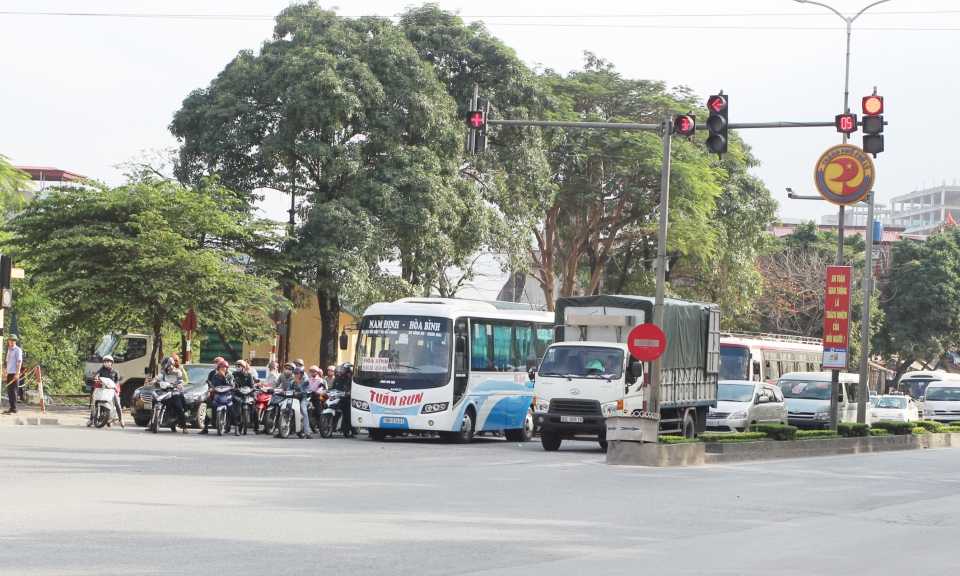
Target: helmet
272, 364
223, 362
298, 361
313, 369
217, 360
176, 359
594, 365
298, 370
241, 364
167, 362
346, 367
107, 358
332, 367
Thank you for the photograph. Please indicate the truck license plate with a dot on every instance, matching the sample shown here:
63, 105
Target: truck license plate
393, 420
571, 418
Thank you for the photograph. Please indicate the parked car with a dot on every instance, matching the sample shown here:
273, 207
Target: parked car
808, 398
194, 393
873, 400
741, 403
901, 408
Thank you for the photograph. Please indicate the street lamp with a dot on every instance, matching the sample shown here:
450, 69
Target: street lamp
861, 408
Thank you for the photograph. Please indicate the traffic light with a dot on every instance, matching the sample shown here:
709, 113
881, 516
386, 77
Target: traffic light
872, 124
846, 123
685, 125
717, 123
477, 127
6, 269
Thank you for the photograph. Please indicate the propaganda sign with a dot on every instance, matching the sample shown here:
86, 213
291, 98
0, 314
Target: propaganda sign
836, 318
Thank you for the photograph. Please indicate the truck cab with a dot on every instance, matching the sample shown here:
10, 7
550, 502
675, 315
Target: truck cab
131, 358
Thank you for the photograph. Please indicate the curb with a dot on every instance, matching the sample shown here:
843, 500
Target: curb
693, 454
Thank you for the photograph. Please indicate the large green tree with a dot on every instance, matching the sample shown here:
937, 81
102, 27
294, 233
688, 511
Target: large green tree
140, 255
345, 113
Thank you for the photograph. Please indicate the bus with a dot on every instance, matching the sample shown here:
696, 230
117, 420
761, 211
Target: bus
914, 384
765, 357
450, 366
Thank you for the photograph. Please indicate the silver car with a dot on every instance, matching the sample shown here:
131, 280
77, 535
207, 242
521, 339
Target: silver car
741, 403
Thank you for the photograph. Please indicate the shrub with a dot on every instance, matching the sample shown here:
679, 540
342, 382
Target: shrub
920, 430
930, 425
814, 434
776, 431
853, 430
676, 440
730, 438
879, 432
895, 427
950, 429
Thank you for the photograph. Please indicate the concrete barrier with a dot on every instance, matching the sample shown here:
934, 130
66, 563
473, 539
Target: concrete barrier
648, 454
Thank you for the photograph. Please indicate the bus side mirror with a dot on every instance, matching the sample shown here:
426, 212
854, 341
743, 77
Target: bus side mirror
461, 344
343, 341
636, 369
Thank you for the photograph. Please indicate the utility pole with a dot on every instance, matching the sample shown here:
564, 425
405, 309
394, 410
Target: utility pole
865, 315
654, 405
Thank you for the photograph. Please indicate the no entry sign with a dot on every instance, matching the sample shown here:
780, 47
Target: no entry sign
646, 342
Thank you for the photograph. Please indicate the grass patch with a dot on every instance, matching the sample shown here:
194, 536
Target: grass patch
733, 438
816, 434
779, 432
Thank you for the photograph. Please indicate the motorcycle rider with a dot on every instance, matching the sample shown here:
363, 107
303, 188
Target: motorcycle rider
169, 373
272, 373
344, 382
317, 387
221, 377
242, 376
299, 384
287, 377
107, 371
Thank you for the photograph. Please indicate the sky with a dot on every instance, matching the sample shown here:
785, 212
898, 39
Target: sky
85, 93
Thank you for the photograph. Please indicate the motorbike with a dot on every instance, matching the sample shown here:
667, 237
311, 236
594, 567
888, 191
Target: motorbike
222, 402
264, 399
105, 390
289, 418
161, 417
246, 397
272, 414
332, 418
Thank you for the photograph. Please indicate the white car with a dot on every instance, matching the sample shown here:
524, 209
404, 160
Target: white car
741, 403
901, 408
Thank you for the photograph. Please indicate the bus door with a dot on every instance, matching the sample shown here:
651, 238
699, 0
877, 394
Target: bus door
461, 359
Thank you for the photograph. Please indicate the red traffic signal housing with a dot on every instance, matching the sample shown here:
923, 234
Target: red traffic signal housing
846, 123
873, 104
716, 104
685, 125
475, 119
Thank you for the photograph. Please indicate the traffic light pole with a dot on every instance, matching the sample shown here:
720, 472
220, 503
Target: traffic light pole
654, 405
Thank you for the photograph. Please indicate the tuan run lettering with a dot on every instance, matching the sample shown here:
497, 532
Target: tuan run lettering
386, 399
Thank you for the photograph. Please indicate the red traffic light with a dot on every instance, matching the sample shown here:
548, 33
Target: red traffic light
873, 104
846, 123
717, 103
475, 119
685, 125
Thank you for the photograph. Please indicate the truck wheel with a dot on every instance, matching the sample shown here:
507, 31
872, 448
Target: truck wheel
689, 425
550, 439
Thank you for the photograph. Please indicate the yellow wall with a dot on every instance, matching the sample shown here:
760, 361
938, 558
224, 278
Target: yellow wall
305, 335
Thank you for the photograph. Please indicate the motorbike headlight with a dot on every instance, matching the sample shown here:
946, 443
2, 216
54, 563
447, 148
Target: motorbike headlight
609, 408
738, 415
822, 416
434, 407
361, 405
542, 405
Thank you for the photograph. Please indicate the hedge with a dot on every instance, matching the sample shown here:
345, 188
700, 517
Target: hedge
920, 430
812, 434
676, 440
776, 431
950, 429
853, 430
732, 438
930, 425
895, 427
879, 432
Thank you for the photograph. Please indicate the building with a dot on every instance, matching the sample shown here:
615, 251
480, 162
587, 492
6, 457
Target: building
920, 212
881, 254
856, 215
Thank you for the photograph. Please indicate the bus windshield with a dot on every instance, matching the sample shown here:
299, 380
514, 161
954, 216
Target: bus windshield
915, 388
734, 363
404, 352
583, 362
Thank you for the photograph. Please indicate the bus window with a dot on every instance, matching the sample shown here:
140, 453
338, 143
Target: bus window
544, 339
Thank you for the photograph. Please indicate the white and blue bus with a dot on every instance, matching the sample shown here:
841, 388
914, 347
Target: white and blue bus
449, 366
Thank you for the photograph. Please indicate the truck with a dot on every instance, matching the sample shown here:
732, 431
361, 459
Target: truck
131, 358
588, 374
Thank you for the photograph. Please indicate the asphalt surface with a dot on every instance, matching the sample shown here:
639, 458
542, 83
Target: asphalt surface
112, 501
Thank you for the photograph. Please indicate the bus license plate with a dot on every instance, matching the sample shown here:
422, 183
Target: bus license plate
571, 418
393, 421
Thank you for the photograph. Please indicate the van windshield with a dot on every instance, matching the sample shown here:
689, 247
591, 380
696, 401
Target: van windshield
943, 394
805, 389
583, 362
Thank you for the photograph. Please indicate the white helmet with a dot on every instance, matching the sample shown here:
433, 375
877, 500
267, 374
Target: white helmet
107, 358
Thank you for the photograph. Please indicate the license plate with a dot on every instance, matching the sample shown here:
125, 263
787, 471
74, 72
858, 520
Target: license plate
713, 422
393, 421
571, 418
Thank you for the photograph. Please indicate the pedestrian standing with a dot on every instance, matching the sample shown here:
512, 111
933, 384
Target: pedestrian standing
14, 363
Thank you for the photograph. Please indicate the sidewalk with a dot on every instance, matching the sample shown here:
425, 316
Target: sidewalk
29, 414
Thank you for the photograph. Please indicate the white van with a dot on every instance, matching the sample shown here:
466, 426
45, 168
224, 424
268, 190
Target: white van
808, 398
941, 401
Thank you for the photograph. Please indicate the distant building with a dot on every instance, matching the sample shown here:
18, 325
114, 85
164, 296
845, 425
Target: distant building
881, 254
856, 215
44, 176
922, 211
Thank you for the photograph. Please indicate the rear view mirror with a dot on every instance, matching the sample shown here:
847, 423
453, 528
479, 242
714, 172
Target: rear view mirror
343, 341
461, 344
921, 398
762, 400
636, 369
531, 364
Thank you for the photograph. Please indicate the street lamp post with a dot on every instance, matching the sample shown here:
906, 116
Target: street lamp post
846, 108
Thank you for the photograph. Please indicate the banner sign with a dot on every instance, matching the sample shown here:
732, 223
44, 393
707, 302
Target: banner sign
836, 318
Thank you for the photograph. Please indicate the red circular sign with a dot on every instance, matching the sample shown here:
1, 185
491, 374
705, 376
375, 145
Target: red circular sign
646, 342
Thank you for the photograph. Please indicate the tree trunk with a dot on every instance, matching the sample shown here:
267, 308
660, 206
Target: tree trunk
157, 344
328, 303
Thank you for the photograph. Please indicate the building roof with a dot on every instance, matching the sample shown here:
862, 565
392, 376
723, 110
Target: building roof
48, 174
848, 231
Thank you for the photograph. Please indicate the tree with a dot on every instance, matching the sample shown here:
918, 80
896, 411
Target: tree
12, 184
345, 113
139, 256
921, 301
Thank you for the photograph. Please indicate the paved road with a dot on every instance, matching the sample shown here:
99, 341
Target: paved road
123, 501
